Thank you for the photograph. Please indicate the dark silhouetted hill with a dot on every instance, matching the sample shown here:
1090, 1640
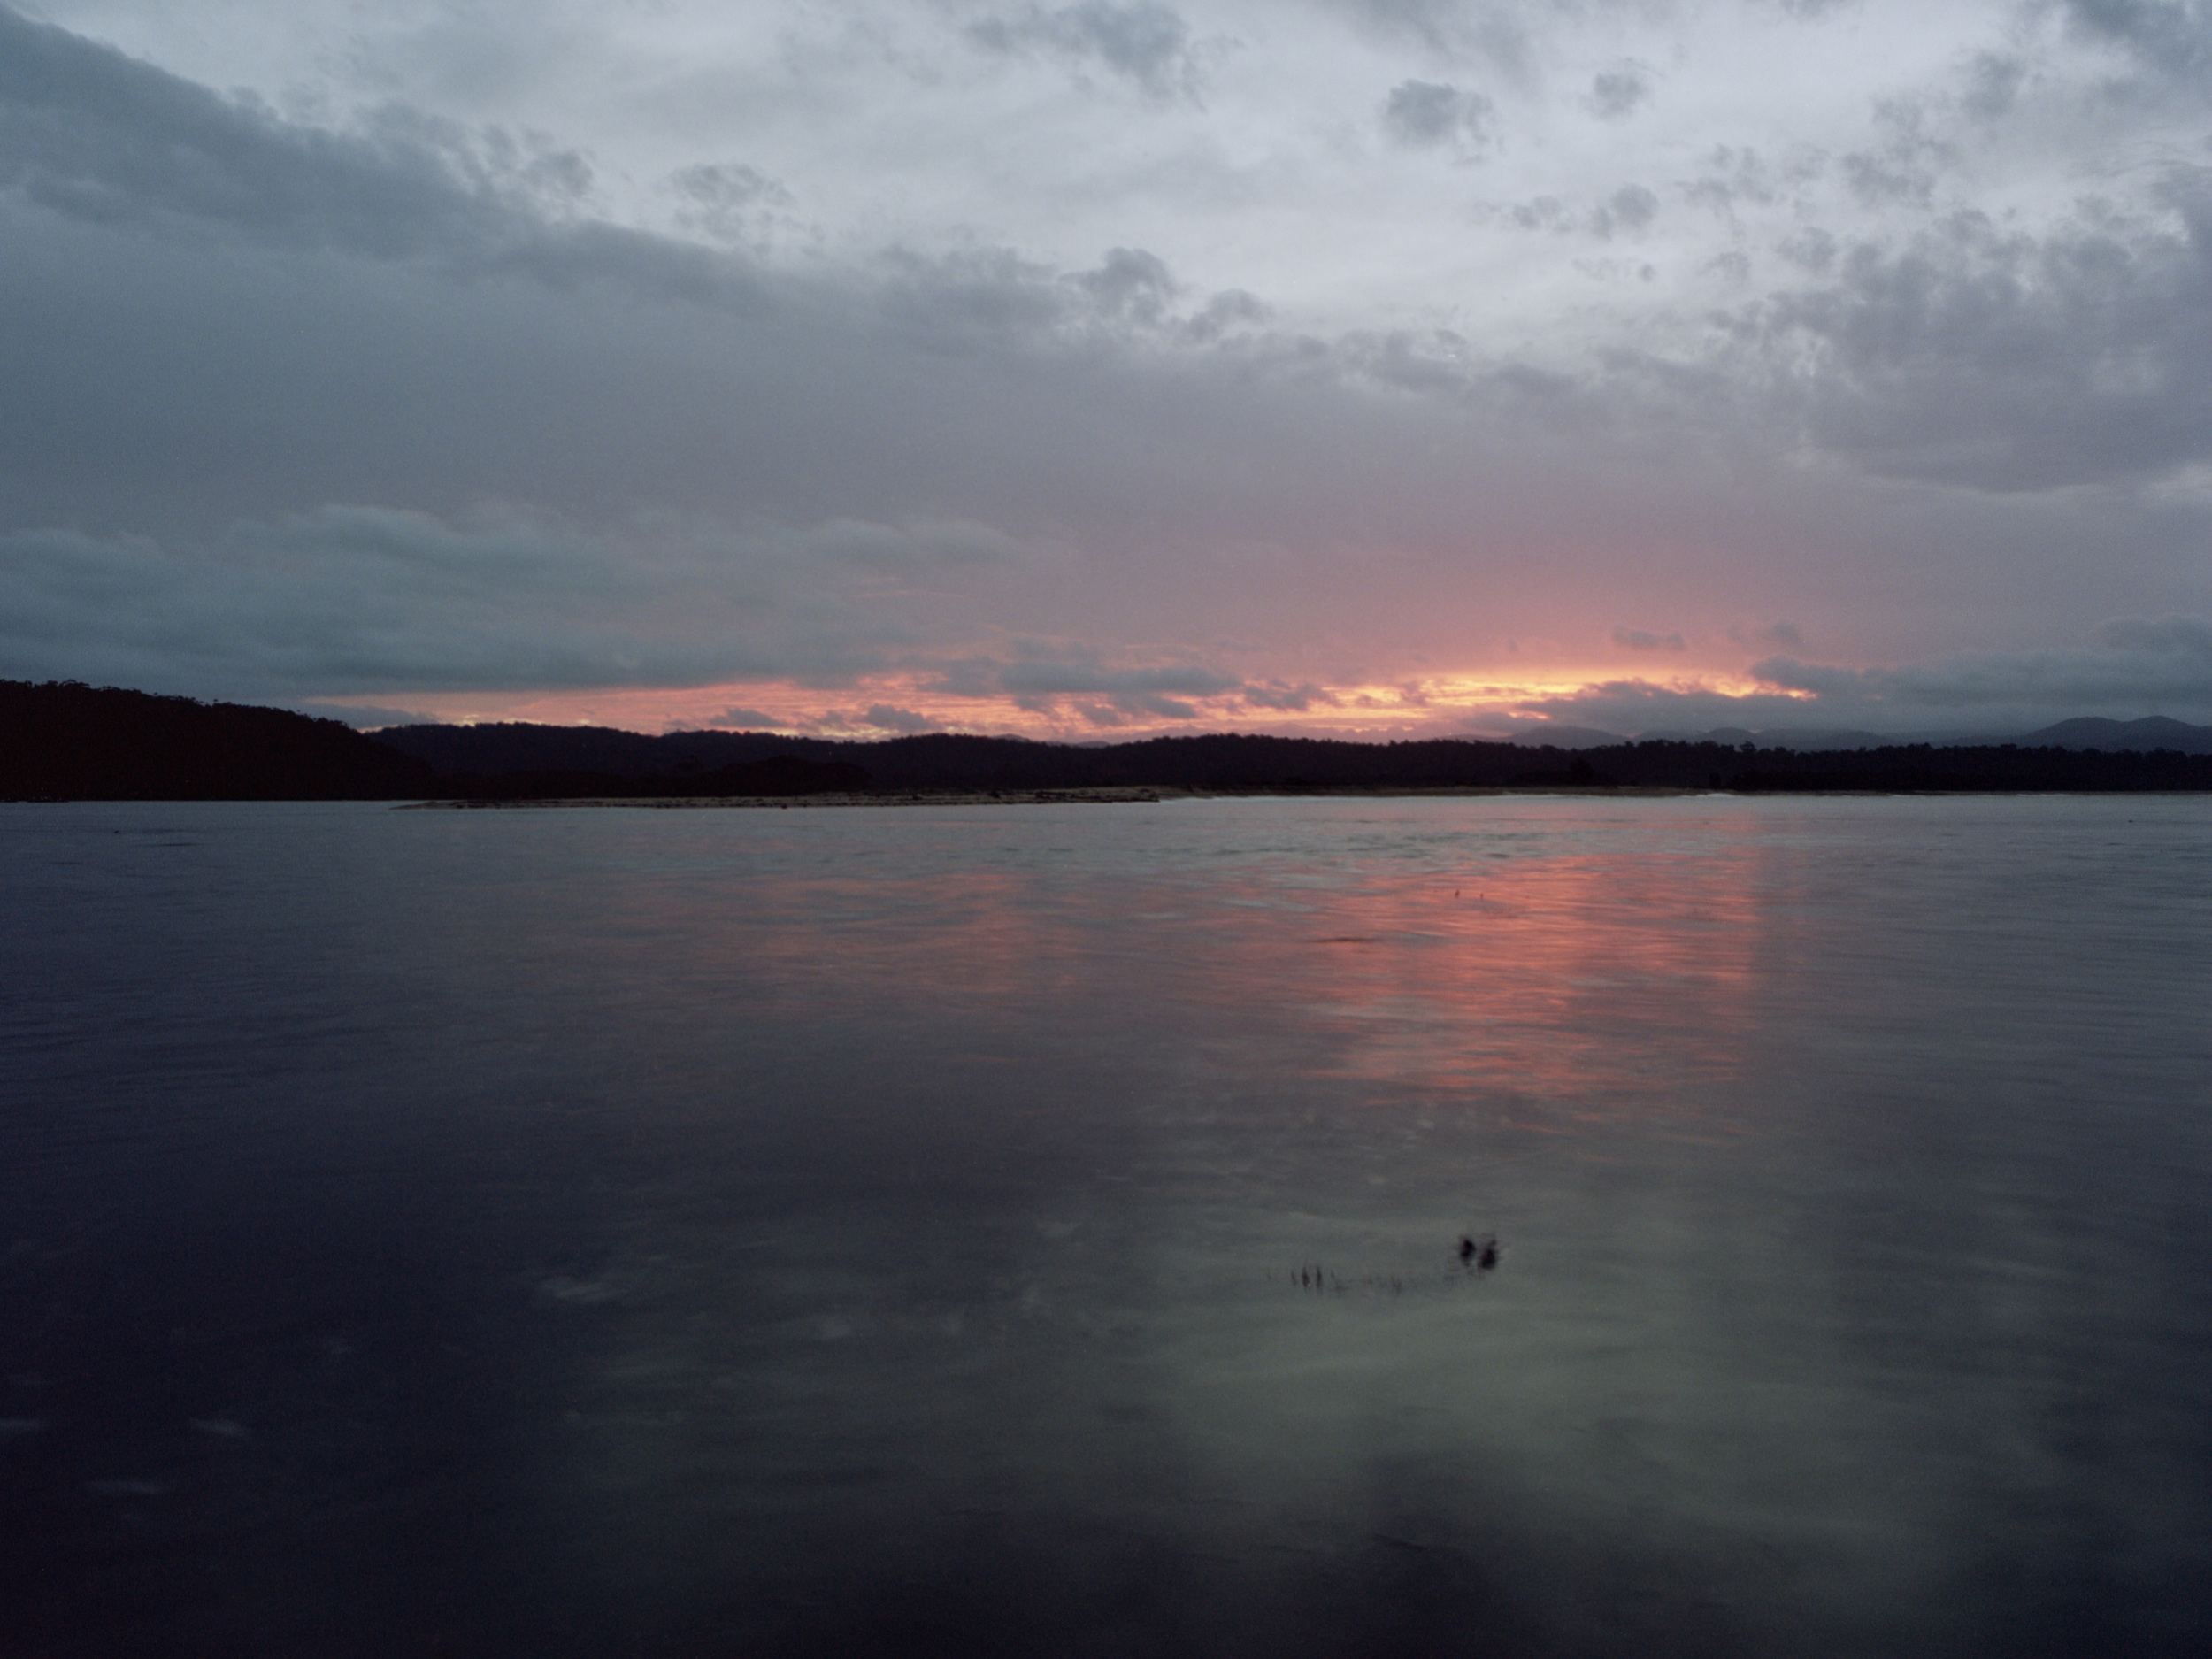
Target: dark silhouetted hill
70, 741
63, 740
513, 761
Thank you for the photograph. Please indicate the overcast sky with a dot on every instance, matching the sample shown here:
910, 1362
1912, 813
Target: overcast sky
864, 366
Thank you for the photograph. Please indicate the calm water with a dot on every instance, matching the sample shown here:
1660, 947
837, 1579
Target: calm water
1034, 1230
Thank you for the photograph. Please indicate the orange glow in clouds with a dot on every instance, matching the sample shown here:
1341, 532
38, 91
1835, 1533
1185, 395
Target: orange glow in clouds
892, 706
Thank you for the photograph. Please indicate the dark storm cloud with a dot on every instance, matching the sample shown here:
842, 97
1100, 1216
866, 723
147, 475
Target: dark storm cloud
1146, 43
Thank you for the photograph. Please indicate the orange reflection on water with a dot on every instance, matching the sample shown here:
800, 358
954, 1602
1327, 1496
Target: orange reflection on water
1554, 977
1584, 979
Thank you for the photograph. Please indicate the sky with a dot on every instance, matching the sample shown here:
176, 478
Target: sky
1380, 368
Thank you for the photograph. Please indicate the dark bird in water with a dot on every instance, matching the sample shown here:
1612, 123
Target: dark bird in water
1466, 1249
1483, 1255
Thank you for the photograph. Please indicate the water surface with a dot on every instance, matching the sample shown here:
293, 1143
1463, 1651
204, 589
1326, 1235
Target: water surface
1036, 1229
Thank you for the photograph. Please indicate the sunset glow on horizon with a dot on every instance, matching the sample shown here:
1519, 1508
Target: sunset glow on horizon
1471, 706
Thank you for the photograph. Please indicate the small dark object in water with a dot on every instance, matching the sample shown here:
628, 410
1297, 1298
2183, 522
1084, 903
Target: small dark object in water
1483, 1255
1466, 1249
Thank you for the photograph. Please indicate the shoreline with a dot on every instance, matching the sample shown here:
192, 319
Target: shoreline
1126, 795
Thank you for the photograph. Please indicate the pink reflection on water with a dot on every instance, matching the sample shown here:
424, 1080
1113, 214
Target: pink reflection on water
1567, 977
1590, 980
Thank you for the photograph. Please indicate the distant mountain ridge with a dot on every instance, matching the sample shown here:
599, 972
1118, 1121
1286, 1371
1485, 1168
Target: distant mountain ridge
2155, 732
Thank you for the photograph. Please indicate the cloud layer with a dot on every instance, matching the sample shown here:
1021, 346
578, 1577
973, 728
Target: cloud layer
1347, 367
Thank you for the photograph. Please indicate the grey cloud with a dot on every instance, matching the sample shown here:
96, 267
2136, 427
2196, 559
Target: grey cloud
1063, 678
1451, 29
1738, 173
974, 296
904, 722
908, 547
1994, 80
744, 719
979, 297
1130, 283
344, 601
2163, 638
1985, 357
1811, 249
1643, 640
1095, 690
1146, 43
187, 353
2170, 36
1224, 312
348, 600
1282, 697
2139, 667
1634, 706
1154, 702
1905, 165
1787, 636
729, 185
1631, 208
1880, 179
87, 132
1618, 92
1544, 212
1732, 263
1427, 114
732, 201
1437, 24
92, 135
